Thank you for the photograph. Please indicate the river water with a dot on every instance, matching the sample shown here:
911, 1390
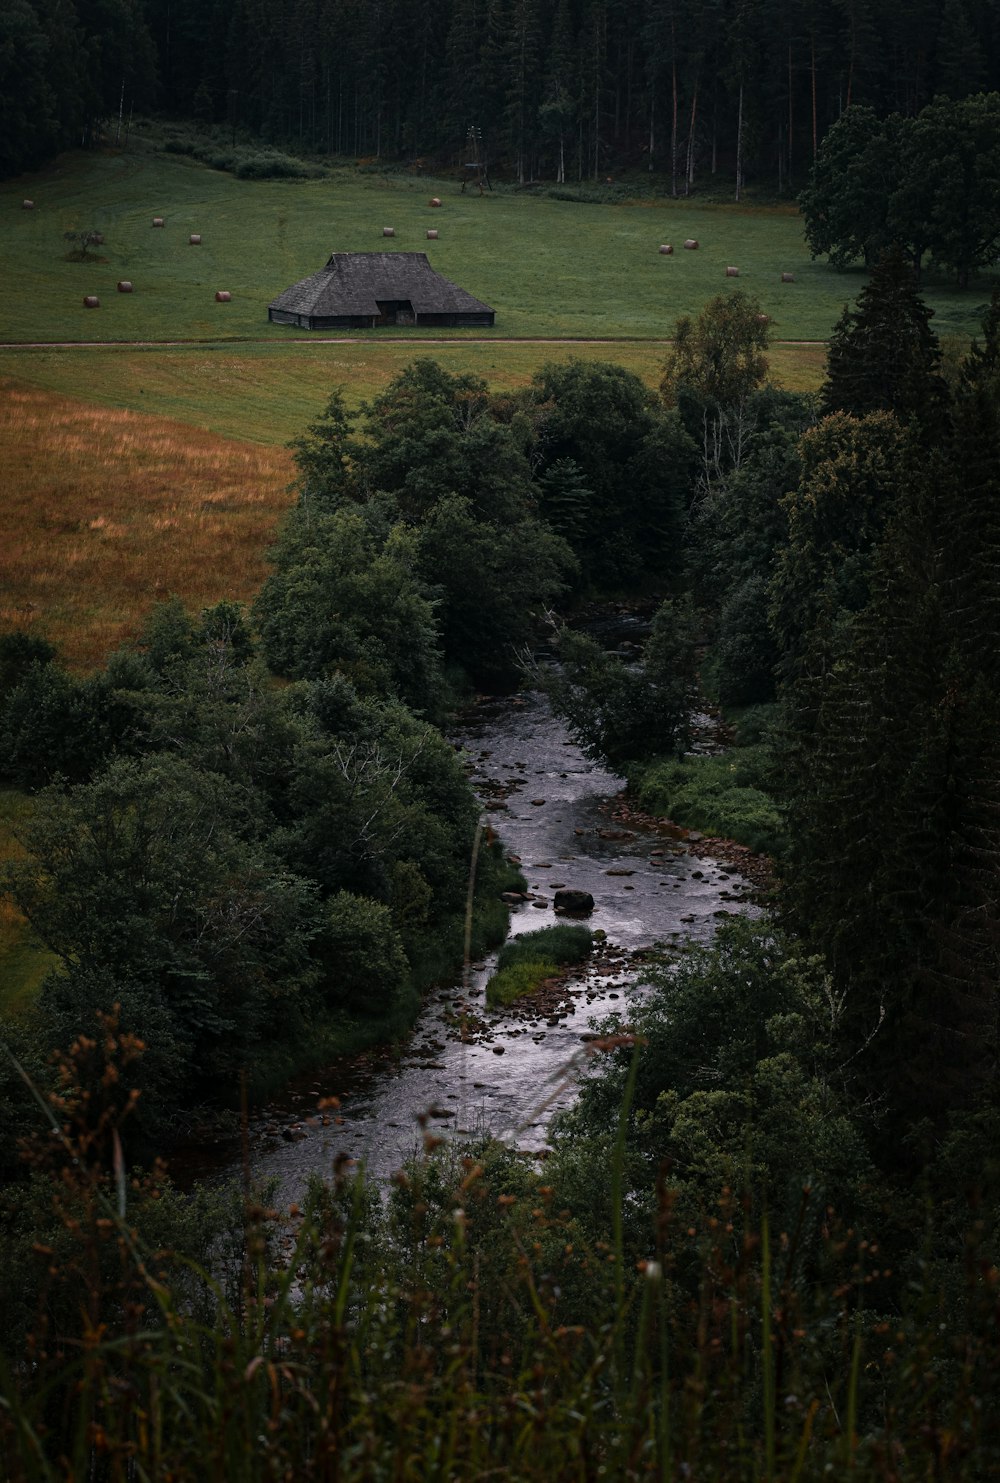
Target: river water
467, 1069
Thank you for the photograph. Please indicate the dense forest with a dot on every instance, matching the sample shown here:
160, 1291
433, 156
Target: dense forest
557, 89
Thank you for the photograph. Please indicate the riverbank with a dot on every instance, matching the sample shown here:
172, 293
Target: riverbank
468, 1069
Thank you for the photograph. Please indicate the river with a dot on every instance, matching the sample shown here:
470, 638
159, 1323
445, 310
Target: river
465, 1068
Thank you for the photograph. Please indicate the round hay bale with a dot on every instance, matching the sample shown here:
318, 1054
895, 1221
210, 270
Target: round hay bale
388, 231
194, 240
763, 319
157, 221
666, 249
223, 296
124, 286
788, 277
27, 205
732, 272
435, 200
91, 301
431, 235
691, 244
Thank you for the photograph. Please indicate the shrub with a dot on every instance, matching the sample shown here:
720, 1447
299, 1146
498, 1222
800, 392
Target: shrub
561, 944
719, 795
271, 167
366, 968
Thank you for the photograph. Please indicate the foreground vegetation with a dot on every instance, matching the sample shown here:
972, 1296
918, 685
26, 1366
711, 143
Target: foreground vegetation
663, 1299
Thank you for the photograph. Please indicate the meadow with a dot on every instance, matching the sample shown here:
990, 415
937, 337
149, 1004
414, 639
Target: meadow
551, 268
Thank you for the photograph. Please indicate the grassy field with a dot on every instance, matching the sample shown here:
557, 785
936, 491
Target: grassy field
267, 394
549, 267
105, 512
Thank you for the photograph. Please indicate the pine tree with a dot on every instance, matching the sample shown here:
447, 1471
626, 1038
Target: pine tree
883, 354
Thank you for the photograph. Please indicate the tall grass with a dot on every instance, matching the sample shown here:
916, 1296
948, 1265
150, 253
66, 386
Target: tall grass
723, 795
524, 963
107, 512
468, 1331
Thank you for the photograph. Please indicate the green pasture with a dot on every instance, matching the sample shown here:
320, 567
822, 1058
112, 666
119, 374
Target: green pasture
268, 393
548, 267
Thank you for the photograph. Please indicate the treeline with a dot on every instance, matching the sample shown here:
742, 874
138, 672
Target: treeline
558, 89
930, 184
68, 73
844, 559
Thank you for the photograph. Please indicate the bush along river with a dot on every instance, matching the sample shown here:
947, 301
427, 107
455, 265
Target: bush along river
466, 1068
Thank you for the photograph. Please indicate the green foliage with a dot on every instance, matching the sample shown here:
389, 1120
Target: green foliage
154, 880
346, 597
525, 962
562, 944
518, 980
52, 725
736, 1049
361, 955
729, 795
443, 461
19, 652
620, 713
494, 597
883, 355
847, 203
745, 651
928, 183
612, 470
890, 758
853, 472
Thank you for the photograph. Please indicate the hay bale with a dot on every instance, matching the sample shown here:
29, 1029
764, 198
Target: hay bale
194, 240
124, 286
763, 319
732, 272
435, 200
788, 277
27, 205
223, 296
666, 249
431, 235
157, 221
691, 244
91, 301
388, 231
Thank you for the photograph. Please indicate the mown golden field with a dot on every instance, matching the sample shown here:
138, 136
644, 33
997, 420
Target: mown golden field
106, 512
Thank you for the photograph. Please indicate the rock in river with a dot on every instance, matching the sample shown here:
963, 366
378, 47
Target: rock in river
576, 903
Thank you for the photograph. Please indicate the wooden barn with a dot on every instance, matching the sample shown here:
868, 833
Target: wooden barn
360, 290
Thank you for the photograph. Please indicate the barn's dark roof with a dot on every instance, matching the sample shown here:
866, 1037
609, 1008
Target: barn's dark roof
353, 282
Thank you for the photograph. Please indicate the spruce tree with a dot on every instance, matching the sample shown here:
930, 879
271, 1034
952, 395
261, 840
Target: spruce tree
883, 354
